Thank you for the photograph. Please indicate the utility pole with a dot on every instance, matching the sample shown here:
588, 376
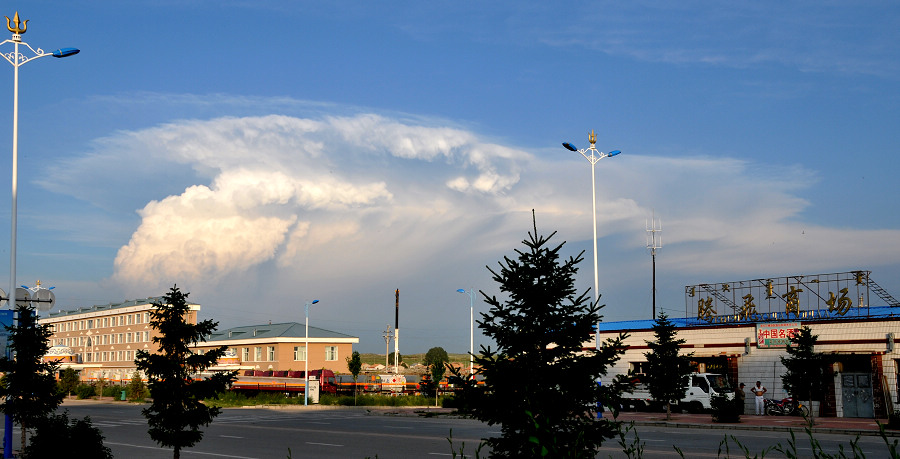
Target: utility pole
388, 333
654, 242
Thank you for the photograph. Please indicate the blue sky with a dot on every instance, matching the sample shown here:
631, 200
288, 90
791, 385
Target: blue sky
263, 154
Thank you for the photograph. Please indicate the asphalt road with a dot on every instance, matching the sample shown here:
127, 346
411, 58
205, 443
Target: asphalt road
245, 433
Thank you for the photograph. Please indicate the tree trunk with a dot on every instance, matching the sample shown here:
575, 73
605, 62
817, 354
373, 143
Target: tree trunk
24, 431
177, 453
668, 411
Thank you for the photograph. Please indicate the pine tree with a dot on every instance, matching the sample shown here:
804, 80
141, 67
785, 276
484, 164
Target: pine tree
28, 389
542, 378
805, 376
666, 369
177, 411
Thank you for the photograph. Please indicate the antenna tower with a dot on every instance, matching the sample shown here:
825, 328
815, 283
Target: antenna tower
654, 241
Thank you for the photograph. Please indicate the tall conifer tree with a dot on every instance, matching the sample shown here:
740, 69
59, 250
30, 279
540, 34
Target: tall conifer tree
542, 378
667, 370
28, 389
177, 411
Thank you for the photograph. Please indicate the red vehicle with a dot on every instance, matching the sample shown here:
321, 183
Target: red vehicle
283, 381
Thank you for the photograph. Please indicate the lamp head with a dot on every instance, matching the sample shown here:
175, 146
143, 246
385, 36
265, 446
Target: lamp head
66, 52
460, 290
314, 301
569, 146
613, 153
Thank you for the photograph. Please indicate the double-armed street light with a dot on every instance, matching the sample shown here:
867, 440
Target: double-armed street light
594, 157
18, 58
306, 357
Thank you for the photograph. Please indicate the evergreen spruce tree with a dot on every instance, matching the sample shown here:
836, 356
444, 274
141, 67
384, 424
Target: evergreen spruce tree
28, 389
805, 376
542, 378
667, 370
177, 411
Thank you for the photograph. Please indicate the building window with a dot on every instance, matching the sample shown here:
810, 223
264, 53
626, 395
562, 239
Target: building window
245, 354
299, 353
121, 338
147, 317
331, 353
90, 324
258, 353
137, 318
130, 320
271, 353
146, 336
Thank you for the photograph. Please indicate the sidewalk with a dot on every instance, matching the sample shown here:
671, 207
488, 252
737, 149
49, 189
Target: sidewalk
844, 426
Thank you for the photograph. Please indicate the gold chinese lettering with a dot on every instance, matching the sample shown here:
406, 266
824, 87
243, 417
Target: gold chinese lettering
839, 305
769, 290
792, 300
748, 307
705, 309
726, 288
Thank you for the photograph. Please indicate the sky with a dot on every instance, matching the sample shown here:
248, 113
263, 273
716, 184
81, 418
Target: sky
264, 154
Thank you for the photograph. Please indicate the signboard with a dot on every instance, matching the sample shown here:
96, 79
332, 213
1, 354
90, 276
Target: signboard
6, 320
777, 299
775, 335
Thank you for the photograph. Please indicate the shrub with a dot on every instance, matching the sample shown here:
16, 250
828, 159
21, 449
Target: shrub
894, 420
725, 409
57, 436
84, 391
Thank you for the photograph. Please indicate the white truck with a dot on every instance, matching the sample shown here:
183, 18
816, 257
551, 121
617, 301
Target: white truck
701, 388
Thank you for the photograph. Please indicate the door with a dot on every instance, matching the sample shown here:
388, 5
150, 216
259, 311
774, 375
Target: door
856, 394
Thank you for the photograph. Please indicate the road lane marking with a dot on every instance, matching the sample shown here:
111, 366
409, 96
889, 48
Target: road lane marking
184, 451
321, 444
230, 436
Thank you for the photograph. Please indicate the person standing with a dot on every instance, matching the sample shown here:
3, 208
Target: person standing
741, 397
759, 391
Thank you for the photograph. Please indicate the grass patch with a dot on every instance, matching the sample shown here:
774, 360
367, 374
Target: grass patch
233, 399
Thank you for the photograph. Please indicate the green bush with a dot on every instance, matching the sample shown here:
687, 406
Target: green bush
725, 409
893, 420
113, 391
83, 391
57, 436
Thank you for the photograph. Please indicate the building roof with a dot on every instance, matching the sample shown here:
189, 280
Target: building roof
872, 312
106, 307
282, 330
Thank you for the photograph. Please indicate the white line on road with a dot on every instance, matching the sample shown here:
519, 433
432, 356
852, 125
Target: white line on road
321, 444
230, 436
184, 451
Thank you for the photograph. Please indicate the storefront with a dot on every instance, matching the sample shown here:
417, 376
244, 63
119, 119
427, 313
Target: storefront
747, 344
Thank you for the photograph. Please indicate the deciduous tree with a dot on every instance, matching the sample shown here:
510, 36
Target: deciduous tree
666, 367
436, 360
541, 380
354, 365
177, 411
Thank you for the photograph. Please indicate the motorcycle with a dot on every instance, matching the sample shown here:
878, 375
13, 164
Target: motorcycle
785, 407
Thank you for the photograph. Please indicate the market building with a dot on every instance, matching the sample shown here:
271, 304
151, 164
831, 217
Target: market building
740, 329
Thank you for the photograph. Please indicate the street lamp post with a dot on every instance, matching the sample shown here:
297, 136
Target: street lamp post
593, 158
471, 295
306, 359
17, 59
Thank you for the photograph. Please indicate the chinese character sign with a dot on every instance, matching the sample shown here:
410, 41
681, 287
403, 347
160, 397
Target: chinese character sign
775, 335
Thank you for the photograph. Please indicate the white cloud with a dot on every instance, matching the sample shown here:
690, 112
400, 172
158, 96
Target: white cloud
281, 206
